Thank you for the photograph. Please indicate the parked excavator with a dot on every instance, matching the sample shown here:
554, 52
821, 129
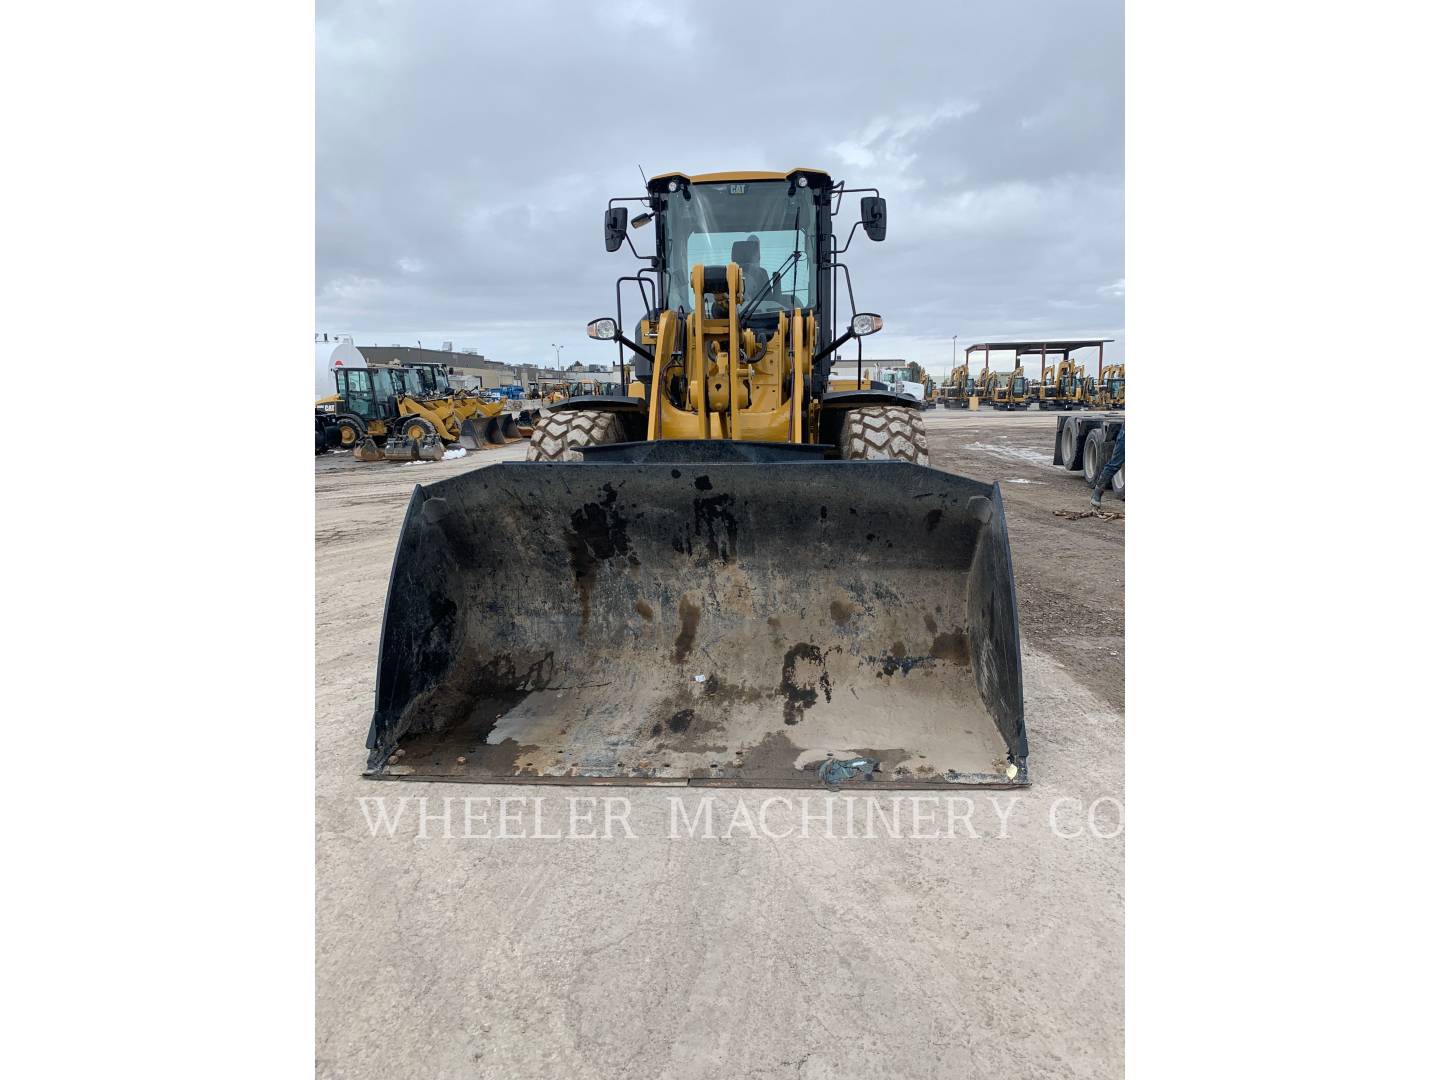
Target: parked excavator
728, 575
1007, 390
960, 387
1110, 393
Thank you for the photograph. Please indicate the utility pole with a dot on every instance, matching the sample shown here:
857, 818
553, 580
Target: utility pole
953, 346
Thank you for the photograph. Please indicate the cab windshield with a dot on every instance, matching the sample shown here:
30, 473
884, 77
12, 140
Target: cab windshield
385, 385
760, 225
430, 379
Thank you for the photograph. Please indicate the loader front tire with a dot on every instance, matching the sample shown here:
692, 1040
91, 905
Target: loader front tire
559, 436
416, 428
885, 432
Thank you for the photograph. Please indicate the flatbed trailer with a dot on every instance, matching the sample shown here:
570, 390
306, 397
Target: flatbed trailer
1085, 443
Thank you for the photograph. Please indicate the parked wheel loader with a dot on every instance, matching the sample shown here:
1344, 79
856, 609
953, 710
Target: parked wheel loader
407, 413
372, 414
478, 421
730, 574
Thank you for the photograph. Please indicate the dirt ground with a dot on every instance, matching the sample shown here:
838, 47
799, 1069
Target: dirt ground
997, 954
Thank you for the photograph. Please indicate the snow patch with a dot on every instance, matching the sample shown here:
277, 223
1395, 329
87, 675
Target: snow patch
459, 451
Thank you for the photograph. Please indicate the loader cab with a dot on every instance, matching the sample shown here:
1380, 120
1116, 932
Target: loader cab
428, 380
357, 390
432, 379
369, 393
777, 227
770, 227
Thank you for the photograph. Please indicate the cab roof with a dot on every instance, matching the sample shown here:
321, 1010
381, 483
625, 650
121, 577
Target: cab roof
736, 177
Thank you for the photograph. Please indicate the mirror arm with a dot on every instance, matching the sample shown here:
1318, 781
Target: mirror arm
637, 349
837, 343
849, 238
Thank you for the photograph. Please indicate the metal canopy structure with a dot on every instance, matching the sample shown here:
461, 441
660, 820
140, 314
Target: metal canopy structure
1037, 348
1042, 349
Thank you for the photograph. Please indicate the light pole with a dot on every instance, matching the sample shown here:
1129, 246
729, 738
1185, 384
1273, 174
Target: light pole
954, 344
557, 349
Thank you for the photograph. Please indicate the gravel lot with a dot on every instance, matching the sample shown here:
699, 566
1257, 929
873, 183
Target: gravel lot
764, 952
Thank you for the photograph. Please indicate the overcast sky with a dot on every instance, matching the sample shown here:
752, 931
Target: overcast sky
466, 150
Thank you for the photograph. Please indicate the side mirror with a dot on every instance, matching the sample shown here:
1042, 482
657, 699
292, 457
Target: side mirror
615, 223
602, 329
865, 324
872, 216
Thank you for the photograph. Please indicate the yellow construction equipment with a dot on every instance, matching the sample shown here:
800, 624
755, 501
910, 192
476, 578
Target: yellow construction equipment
959, 388
1008, 390
1062, 384
1110, 394
367, 415
460, 416
733, 575
405, 413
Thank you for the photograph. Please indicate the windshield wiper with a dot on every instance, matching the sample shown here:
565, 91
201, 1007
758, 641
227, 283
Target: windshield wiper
771, 279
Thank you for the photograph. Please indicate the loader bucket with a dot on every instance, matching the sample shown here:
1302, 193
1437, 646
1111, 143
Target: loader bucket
430, 448
472, 433
737, 624
400, 449
509, 428
366, 450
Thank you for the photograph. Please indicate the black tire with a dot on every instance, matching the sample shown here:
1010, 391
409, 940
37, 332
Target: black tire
1094, 459
1072, 447
884, 432
349, 430
558, 436
1117, 483
414, 427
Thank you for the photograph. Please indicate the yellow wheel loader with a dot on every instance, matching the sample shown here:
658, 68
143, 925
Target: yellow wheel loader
372, 420
477, 421
731, 575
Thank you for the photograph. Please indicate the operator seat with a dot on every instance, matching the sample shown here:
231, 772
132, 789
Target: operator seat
747, 254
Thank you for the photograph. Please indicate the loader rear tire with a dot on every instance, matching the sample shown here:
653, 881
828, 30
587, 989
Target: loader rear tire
559, 436
349, 432
885, 432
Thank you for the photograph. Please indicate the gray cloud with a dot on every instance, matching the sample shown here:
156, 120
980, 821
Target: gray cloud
465, 152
